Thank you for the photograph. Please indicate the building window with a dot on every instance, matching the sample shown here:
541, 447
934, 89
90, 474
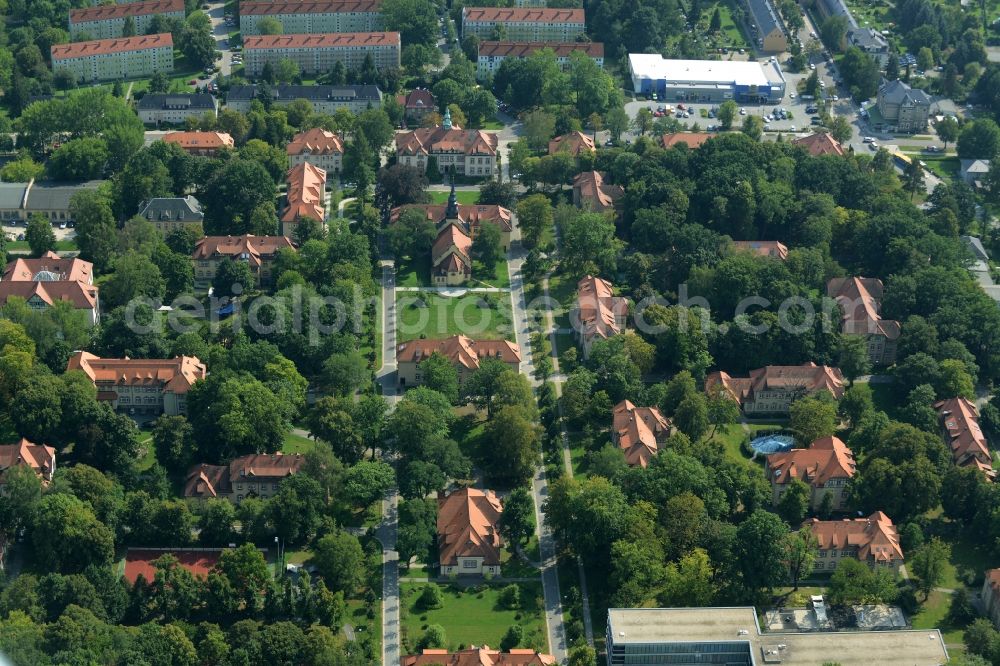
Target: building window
469, 564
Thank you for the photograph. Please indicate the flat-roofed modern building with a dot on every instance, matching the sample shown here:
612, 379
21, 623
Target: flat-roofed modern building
108, 21
706, 80
492, 54
115, 59
732, 636
324, 99
313, 17
318, 53
523, 24
175, 108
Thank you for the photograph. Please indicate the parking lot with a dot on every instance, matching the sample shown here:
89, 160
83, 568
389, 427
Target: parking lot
16, 232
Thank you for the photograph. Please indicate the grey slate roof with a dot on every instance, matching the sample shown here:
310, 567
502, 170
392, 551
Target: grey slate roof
158, 101
56, 196
311, 93
839, 8
11, 195
181, 209
897, 92
764, 16
867, 38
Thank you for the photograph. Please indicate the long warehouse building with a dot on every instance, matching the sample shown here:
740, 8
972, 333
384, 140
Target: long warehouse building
706, 80
732, 636
312, 17
318, 53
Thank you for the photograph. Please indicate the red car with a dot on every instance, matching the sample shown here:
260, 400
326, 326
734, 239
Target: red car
680, 106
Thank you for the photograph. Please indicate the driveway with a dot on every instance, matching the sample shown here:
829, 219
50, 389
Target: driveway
386, 534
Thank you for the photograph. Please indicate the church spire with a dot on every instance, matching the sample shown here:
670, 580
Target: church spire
446, 123
451, 212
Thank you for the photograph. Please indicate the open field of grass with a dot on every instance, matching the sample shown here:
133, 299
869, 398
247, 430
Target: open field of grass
467, 197
474, 616
297, 444
428, 315
147, 449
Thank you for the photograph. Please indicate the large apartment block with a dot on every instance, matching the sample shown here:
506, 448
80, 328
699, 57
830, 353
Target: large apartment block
492, 54
318, 53
108, 21
523, 24
312, 17
324, 99
116, 59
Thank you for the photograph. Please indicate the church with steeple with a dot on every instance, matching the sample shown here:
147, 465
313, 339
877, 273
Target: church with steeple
457, 227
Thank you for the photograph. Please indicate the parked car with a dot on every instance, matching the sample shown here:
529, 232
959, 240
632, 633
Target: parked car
792, 95
812, 67
743, 112
868, 139
873, 146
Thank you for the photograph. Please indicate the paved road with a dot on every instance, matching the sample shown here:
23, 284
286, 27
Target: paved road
386, 534
220, 31
387, 529
539, 485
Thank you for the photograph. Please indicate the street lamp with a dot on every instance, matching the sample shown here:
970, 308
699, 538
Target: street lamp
281, 559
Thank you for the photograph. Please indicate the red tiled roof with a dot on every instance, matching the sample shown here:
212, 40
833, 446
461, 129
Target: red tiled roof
860, 299
315, 141
175, 375
598, 309
574, 143
200, 140
479, 656
458, 349
104, 12
522, 15
306, 193
321, 40
83, 296
105, 46
427, 140
960, 421
875, 537
472, 215
467, 526
692, 139
65, 269
253, 248
214, 480
38, 457
418, 99
591, 188
304, 7
524, 49
808, 377
774, 249
452, 241
826, 458
821, 143
637, 431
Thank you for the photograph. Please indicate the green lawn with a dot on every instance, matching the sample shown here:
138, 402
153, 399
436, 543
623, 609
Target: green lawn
297, 444
147, 450
413, 273
472, 617
61, 246
500, 277
932, 616
465, 197
947, 168
428, 315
